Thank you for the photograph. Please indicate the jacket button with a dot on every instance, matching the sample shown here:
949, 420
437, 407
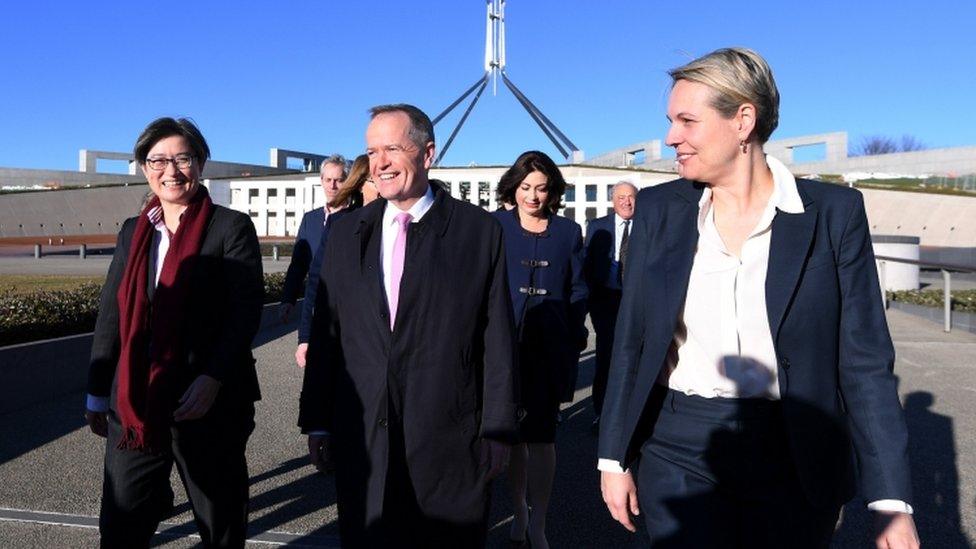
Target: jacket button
785, 363
382, 422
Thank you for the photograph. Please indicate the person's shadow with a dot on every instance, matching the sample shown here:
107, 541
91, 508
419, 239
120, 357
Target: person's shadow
935, 482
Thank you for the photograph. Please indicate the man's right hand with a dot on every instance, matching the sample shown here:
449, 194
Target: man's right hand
620, 495
320, 453
300, 353
97, 422
284, 312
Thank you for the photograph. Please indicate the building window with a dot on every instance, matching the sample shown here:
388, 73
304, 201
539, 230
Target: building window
590, 193
609, 193
252, 196
570, 213
590, 213
291, 227
465, 194
570, 194
484, 194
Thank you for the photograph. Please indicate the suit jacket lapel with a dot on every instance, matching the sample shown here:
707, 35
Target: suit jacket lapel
421, 237
371, 268
681, 225
789, 246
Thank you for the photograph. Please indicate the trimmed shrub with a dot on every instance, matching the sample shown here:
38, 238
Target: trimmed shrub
46, 314
963, 301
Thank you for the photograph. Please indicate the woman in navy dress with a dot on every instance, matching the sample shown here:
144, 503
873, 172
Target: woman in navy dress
544, 253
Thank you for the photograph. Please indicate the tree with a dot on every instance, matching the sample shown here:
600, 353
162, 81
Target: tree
880, 144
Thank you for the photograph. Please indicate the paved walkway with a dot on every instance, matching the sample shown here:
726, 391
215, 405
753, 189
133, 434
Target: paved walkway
50, 466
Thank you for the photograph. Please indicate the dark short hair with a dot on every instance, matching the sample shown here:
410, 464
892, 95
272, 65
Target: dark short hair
164, 127
421, 128
526, 163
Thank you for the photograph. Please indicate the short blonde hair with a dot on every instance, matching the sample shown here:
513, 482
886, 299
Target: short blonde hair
738, 75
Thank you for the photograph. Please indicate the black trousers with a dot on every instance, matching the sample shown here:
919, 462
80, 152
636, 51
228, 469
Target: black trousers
209, 455
604, 304
718, 473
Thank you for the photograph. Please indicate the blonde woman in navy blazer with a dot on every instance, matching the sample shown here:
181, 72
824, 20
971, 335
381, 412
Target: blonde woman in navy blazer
752, 352
544, 253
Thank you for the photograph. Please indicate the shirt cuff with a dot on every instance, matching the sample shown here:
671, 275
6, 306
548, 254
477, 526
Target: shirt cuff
319, 433
96, 404
610, 466
891, 506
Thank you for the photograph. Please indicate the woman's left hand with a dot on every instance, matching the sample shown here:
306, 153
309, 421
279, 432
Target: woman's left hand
197, 399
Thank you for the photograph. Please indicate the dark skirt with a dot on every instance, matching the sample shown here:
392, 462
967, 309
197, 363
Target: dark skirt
540, 386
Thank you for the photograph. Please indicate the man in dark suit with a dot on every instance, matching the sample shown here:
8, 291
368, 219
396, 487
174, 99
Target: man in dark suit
607, 240
411, 358
332, 174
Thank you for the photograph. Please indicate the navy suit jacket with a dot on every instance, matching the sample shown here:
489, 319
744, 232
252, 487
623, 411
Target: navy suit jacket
306, 243
560, 314
834, 352
600, 268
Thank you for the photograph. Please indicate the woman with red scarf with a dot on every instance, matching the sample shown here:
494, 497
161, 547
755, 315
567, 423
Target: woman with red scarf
172, 377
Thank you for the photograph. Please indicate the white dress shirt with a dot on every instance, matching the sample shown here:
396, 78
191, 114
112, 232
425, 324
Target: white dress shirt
723, 339
389, 232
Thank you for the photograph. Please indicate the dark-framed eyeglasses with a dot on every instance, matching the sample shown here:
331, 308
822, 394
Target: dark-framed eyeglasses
181, 161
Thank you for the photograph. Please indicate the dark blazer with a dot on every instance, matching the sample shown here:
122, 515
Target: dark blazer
447, 370
828, 325
600, 268
307, 240
312, 284
551, 262
223, 311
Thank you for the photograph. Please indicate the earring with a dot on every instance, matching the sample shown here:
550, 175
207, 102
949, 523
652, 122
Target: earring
745, 147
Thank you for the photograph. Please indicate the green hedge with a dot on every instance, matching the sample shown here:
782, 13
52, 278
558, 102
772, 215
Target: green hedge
963, 301
47, 314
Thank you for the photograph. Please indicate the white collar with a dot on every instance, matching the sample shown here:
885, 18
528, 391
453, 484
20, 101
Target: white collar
417, 211
785, 197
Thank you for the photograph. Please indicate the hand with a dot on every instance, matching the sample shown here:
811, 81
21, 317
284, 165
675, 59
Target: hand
495, 455
97, 422
284, 312
300, 353
895, 531
620, 495
197, 399
320, 453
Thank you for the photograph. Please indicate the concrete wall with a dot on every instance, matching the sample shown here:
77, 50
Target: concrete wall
61, 178
69, 212
951, 161
25, 177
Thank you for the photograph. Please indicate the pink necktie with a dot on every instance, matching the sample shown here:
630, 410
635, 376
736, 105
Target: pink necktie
396, 265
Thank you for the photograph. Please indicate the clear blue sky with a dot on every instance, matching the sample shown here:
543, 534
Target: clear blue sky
301, 74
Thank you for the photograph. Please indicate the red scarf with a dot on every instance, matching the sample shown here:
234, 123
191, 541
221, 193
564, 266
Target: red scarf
152, 333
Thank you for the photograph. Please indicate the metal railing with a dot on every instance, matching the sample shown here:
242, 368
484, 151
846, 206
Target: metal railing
947, 270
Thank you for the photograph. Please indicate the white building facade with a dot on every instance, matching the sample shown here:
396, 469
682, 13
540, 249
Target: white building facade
276, 204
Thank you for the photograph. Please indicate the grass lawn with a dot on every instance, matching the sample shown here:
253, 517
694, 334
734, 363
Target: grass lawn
12, 285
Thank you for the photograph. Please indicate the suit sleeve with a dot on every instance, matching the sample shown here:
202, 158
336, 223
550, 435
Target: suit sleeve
866, 363
628, 342
324, 359
498, 418
311, 291
105, 340
579, 292
243, 278
301, 258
